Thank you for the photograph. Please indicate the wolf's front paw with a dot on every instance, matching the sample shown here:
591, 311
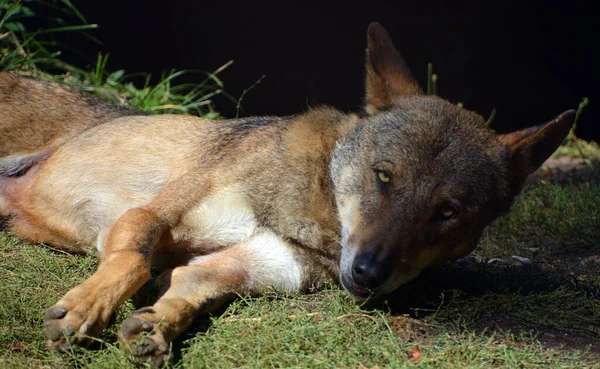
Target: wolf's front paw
74, 319
144, 340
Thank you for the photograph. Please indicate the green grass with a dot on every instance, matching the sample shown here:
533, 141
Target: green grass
38, 55
559, 217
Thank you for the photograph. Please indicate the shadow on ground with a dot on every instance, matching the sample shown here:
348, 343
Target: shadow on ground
507, 295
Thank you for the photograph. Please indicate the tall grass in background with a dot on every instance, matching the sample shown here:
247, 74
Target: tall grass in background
35, 53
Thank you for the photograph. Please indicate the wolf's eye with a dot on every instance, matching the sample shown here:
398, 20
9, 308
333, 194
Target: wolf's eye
447, 212
382, 176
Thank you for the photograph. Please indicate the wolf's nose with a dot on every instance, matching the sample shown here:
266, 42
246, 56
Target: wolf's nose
367, 272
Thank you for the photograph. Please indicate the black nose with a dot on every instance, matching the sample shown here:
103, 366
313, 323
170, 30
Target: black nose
368, 272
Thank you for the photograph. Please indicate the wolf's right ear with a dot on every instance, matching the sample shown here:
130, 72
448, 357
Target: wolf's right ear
388, 76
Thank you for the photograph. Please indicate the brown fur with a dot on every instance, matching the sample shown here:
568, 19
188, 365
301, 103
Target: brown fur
240, 206
25, 103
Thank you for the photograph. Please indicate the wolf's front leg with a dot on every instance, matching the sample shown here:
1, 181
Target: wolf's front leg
263, 261
124, 268
190, 290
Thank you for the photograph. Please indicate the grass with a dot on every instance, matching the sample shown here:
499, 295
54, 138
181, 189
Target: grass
38, 55
559, 217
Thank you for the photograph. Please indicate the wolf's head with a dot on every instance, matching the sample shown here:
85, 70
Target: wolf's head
419, 178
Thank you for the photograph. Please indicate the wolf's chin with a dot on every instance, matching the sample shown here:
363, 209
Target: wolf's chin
354, 290
391, 285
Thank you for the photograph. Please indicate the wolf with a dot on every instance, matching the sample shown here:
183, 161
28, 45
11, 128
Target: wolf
230, 207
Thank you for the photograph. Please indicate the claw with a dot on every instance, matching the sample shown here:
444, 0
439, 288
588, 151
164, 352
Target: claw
143, 342
158, 361
55, 312
143, 346
132, 326
53, 331
145, 309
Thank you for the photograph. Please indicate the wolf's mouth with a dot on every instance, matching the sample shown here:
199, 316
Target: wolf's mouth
354, 289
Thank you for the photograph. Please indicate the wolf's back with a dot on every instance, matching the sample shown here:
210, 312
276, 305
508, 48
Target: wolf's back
38, 116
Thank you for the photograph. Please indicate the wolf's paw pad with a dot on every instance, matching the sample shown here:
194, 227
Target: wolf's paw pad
144, 342
64, 329
132, 327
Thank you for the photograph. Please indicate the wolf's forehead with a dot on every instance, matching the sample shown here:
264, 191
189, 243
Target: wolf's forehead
437, 123
420, 138
437, 150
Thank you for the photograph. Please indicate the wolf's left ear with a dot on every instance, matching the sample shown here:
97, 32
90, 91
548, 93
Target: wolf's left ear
530, 147
388, 76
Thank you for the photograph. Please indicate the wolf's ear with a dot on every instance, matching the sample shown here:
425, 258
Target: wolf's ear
388, 76
530, 147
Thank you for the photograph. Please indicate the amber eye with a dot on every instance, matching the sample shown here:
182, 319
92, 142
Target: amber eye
382, 176
447, 212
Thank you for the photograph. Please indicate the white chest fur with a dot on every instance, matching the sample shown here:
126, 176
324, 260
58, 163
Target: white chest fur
220, 220
225, 223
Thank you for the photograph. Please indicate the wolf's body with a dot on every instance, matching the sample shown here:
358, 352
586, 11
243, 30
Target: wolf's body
239, 206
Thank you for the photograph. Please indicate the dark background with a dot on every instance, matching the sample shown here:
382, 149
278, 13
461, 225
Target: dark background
530, 60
